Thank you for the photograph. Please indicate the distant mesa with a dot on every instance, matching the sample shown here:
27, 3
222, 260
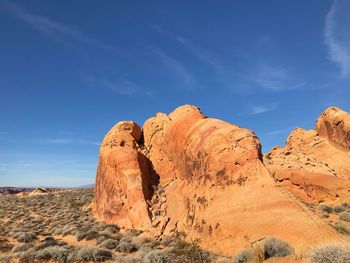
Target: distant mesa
88, 186
185, 172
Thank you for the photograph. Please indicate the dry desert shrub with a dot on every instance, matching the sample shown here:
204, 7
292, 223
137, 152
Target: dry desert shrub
156, 256
243, 256
267, 248
109, 243
21, 247
133, 258
326, 208
341, 228
339, 208
27, 256
5, 246
345, 216
6, 259
126, 246
329, 254
274, 247
56, 253
25, 237
181, 251
92, 253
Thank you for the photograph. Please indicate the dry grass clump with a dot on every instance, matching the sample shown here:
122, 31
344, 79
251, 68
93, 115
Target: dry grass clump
345, 216
329, 254
341, 228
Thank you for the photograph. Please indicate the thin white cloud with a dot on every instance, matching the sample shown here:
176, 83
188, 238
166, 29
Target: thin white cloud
259, 109
56, 30
176, 68
202, 54
337, 36
124, 87
120, 86
275, 78
64, 141
280, 131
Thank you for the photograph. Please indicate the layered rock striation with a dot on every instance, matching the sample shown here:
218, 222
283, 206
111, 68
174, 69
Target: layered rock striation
315, 164
205, 177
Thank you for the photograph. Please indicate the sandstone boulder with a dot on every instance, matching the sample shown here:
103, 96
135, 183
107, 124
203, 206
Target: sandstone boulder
201, 176
315, 164
123, 181
334, 125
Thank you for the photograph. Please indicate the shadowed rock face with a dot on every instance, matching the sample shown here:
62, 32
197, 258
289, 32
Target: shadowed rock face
123, 180
201, 176
315, 164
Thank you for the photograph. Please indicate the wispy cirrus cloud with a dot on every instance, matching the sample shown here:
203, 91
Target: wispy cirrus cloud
337, 35
55, 30
202, 54
259, 109
64, 141
280, 131
275, 78
176, 68
120, 86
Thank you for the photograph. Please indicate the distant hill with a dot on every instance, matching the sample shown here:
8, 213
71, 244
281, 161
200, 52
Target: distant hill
16, 190
87, 186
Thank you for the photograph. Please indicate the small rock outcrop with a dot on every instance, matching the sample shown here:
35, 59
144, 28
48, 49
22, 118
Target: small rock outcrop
38, 191
205, 177
334, 125
315, 165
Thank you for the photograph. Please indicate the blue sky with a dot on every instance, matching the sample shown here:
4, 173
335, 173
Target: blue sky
70, 70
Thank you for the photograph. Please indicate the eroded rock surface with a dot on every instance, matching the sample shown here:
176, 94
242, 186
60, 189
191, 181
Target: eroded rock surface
334, 124
201, 176
124, 180
315, 164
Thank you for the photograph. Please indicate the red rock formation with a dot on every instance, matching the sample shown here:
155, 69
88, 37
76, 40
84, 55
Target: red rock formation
212, 185
334, 125
315, 164
123, 181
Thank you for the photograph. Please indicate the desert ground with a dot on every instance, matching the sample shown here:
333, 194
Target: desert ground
59, 227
